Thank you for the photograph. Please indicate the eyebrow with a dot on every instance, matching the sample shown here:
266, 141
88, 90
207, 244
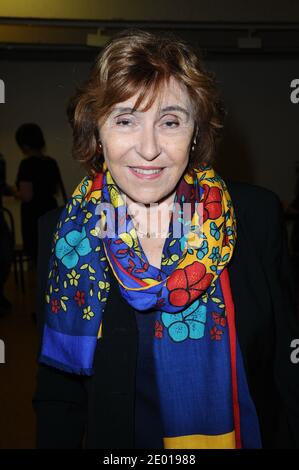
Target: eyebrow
164, 110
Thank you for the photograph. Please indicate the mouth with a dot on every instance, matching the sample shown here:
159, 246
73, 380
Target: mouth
146, 172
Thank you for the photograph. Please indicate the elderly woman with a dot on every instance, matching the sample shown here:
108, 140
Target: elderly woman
168, 307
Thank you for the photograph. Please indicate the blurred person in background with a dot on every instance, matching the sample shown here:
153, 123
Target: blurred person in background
38, 181
6, 241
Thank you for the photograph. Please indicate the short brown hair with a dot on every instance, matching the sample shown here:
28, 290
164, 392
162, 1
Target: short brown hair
139, 61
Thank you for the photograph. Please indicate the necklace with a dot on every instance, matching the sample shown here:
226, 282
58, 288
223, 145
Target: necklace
151, 234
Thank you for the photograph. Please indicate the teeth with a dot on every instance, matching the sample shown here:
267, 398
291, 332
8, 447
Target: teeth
146, 172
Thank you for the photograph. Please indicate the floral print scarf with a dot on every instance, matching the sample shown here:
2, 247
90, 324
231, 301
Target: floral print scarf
203, 392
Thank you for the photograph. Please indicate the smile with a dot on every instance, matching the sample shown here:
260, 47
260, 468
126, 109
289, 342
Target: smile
146, 173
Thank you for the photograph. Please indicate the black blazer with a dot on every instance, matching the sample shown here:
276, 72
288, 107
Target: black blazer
98, 411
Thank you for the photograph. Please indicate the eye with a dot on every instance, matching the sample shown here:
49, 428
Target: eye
123, 122
171, 124
170, 121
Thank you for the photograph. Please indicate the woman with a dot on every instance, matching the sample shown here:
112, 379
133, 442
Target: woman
161, 320
38, 181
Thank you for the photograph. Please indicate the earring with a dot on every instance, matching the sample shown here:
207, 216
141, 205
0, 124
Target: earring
193, 146
99, 147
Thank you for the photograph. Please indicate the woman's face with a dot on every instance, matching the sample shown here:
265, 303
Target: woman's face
147, 152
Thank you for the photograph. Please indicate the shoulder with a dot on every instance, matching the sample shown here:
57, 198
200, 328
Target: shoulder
260, 219
253, 200
247, 193
25, 162
49, 159
25, 169
51, 165
29, 163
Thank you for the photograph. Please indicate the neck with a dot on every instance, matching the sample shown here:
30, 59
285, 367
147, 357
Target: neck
33, 153
151, 220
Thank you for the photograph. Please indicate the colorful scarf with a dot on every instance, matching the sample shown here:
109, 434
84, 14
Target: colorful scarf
203, 393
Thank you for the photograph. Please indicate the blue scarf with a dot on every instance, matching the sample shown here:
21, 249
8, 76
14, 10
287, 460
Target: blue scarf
203, 393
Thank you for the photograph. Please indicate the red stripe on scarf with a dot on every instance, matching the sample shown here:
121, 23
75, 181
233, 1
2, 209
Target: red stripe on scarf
230, 309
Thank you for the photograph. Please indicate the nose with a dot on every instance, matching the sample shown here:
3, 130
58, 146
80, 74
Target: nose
148, 146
